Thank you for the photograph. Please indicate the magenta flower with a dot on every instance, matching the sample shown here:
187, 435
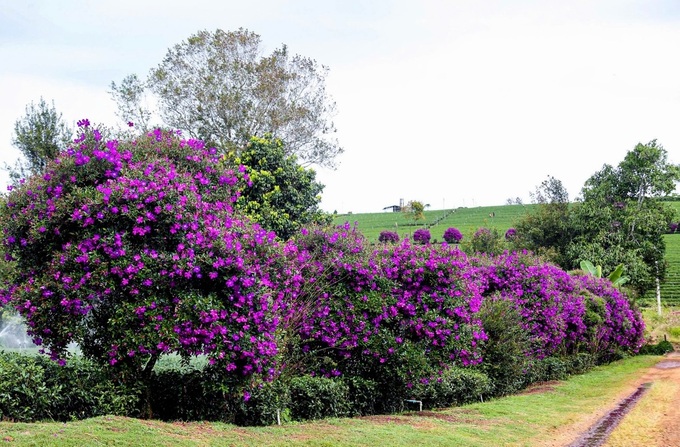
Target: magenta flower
453, 235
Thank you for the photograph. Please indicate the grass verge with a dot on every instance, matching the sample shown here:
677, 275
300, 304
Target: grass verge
529, 419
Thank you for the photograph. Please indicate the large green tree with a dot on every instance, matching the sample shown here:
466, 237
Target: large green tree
619, 219
282, 195
622, 220
40, 135
219, 87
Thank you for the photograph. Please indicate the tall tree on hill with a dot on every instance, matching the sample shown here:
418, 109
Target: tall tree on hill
40, 135
219, 87
619, 219
414, 209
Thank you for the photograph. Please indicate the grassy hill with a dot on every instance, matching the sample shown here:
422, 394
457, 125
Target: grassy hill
670, 287
467, 220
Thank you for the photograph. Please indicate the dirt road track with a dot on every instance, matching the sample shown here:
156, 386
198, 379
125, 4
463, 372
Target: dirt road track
653, 422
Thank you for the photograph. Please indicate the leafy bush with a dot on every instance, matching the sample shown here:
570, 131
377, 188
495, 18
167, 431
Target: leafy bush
485, 240
580, 363
661, 348
388, 236
455, 386
421, 236
34, 388
550, 368
23, 394
266, 402
318, 398
453, 235
363, 397
504, 353
189, 395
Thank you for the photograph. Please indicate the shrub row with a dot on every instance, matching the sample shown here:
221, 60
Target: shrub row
34, 388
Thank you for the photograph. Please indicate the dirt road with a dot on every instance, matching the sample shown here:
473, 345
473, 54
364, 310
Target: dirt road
653, 421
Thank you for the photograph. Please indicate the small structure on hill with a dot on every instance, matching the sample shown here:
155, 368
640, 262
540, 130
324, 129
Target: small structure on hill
395, 208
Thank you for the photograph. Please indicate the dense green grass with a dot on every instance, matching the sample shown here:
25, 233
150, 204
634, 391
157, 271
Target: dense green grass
670, 287
467, 220
522, 420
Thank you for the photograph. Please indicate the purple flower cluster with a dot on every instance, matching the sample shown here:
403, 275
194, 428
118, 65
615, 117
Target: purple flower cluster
510, 234
422, 236
554, 306
453, 235
388, 236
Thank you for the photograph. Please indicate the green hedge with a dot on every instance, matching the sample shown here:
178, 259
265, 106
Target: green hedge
34, 388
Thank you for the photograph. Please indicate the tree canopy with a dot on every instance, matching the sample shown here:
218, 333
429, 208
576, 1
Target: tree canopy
282, 195
219, 87
40, 135
619, 219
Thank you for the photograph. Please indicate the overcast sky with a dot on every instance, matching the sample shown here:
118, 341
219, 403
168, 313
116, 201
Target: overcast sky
453, 103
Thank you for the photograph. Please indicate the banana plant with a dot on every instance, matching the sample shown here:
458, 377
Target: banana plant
616, 276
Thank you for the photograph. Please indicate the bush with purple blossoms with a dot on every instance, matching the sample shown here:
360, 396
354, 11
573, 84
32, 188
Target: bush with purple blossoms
510, 234
388, 236
422, 236
132, 250
453, 235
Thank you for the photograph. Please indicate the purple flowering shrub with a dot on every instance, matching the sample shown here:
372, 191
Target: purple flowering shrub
453, 235
614, 324
395, 315
388, 236
132, 250
554, 307
422, 236
545, 297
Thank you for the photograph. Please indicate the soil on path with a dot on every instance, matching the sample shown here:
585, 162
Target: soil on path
661, 423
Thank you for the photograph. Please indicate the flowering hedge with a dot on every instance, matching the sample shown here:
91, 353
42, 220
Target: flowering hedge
133, 249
